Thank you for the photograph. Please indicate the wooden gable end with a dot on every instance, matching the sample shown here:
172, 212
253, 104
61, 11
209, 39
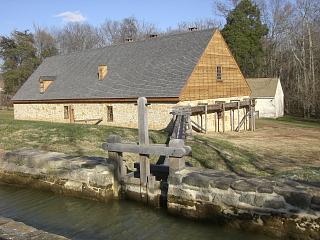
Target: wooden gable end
206, 83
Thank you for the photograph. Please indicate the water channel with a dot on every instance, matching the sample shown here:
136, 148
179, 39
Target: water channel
90, 220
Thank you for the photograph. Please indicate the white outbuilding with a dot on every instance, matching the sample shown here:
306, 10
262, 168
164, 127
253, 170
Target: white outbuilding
269, 96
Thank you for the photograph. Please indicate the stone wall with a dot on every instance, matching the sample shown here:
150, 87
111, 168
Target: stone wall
279, 207
90, 178
10, 229
124, 114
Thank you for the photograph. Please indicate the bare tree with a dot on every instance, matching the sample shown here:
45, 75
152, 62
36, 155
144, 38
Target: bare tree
76, 37
44, 42
118, 31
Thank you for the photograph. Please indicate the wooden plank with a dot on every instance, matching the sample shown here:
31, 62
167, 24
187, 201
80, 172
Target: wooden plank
151, 149
211, 108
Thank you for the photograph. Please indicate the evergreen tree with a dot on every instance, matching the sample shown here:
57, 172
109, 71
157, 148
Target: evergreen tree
244, 33
19, 59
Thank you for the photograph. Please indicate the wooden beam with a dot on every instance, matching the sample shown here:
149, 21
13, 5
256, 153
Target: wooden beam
98, 100
151, 149
218, 107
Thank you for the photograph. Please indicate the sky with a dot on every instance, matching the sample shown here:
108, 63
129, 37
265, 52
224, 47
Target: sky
22, 14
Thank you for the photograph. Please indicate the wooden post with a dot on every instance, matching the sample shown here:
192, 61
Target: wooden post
251, 117
254, 113
143, 138
201, 125
238, 105
215, 122
120, 169
206, 117
223, 118
219, 116
231, 120
176, 164
245, 119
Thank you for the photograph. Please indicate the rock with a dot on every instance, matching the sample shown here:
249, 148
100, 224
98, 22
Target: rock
315, 207
265, 189
197, 180
248, 198
174, 179
73, 185
20, 231
297, 199
222, 183
275, 203
243, 185
315, 200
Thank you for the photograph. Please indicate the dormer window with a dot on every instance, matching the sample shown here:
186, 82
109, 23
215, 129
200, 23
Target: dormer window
45, 82
102, 71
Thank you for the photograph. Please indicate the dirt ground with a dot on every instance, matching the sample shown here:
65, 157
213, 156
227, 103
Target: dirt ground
289, 148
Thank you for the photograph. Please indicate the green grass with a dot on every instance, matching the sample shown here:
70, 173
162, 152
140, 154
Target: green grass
75, 139
221, 154
296, 121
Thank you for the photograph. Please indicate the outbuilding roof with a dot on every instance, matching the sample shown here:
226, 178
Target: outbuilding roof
156, 67
263, 87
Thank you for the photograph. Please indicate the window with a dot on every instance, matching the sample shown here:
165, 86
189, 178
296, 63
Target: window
102, 71
109, 113
66, 112
41, 87
44, 84
219, 73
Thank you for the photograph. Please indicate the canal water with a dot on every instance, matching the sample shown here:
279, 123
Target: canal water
90, 220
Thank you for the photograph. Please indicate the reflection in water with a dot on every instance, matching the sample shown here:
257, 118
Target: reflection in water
84, 219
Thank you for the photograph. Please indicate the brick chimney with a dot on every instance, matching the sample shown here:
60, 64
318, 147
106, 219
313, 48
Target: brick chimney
192, 29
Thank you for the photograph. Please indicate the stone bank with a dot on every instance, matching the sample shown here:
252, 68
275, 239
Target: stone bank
278, 207
13, 230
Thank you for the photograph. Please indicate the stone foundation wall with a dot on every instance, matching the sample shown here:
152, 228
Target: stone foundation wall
124, 114
89, 178
279, 207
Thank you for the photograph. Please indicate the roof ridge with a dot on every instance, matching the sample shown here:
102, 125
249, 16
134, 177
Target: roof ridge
134, 42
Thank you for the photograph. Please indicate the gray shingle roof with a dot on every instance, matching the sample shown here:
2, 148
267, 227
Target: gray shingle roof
263, 87
157, 67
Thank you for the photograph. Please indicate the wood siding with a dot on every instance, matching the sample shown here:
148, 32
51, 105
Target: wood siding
203, 83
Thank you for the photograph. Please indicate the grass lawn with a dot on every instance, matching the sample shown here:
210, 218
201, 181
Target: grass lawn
287, 147
75, 139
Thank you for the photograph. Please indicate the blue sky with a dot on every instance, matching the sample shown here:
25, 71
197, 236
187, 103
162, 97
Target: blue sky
22, 14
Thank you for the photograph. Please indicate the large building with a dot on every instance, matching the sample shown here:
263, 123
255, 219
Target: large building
103, 84
269, 96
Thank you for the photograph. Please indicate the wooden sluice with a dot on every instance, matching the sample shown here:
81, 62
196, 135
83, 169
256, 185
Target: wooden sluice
183, 122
